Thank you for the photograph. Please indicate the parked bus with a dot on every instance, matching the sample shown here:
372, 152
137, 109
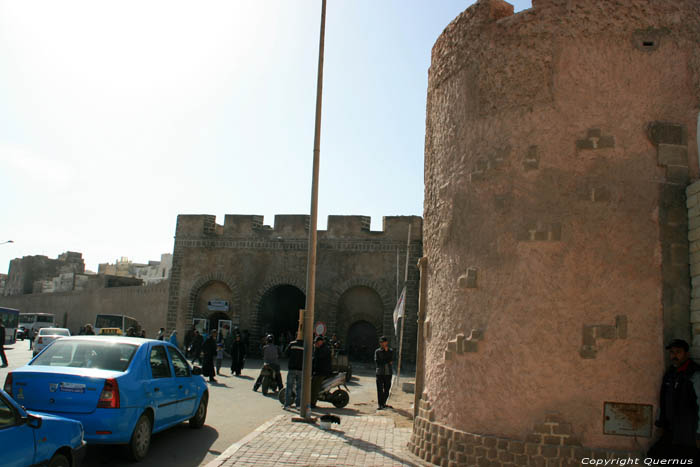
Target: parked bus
122, 322
34, 321
10, 319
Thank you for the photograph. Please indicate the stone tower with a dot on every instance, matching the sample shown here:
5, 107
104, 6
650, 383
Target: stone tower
559, 143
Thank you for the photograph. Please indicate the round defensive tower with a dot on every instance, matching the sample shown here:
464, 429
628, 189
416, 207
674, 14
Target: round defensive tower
559, 145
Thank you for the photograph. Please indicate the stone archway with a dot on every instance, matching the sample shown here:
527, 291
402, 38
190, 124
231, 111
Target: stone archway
380, 316
278, 311
257, 323
362, 339
359, 304
213, 283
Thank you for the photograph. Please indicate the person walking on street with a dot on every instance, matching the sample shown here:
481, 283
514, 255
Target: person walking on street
209, 350
197, 342
189, 337
2, 345
31, 334
295, 352
383, 358
88, 330
237, 351
173, 338
161, 334
219, 357
322, 368
271, 357
678, 408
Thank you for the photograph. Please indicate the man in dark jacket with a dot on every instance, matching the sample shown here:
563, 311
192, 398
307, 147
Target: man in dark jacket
383, 359
2, 345
678, 408
322, 367
295, 352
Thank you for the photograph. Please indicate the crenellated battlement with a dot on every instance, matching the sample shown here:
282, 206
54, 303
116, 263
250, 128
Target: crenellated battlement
295, 226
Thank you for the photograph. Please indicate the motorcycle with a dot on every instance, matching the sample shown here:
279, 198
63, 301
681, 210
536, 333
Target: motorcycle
338, 397
267, 379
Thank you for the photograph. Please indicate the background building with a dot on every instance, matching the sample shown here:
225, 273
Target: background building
255, 276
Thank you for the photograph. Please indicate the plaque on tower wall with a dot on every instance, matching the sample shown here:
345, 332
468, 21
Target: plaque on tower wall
627, 419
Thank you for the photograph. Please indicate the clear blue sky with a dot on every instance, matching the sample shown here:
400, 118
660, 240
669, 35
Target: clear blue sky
115, 117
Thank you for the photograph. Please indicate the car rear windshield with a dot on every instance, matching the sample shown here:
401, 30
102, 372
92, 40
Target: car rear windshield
54, 332
87, 354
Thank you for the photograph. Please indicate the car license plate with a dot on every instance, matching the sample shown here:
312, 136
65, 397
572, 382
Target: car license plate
72, 387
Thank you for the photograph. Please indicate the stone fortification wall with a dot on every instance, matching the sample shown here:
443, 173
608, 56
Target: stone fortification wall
147, 304
243, 260
693, 203
559, 142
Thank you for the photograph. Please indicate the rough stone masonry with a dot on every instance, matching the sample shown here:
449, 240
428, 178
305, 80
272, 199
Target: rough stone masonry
559, 144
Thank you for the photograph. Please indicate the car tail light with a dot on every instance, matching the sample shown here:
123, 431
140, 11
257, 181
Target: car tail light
109, 399
8, 384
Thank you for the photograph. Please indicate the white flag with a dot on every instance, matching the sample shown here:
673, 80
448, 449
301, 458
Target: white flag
399, 310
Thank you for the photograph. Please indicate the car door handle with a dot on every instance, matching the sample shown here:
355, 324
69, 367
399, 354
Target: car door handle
156, 389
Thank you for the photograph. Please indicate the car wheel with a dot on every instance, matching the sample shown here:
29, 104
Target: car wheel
59, 460
140, 438
201, 414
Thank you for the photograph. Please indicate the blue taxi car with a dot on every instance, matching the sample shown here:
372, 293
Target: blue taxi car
34, 438
122, 389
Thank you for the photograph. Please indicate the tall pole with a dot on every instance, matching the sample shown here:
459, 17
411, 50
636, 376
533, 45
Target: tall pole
311, 260
403, 318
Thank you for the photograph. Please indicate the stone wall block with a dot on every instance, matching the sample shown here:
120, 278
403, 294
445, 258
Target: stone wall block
621, 326
693, 188
671, 154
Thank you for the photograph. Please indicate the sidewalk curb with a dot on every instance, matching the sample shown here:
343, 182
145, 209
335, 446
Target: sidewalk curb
228, 453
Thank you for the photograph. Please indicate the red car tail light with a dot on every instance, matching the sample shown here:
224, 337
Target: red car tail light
109, 398
8, 384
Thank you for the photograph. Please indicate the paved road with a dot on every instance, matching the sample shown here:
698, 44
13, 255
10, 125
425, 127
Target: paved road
234, 411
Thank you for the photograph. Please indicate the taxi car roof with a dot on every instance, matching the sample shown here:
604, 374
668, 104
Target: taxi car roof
113, 338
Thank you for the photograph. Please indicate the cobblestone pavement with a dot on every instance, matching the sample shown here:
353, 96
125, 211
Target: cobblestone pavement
365, 440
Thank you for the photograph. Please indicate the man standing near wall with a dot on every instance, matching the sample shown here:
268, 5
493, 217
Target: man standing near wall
322, 367
2, 345
383, 359
678, 408
295, 364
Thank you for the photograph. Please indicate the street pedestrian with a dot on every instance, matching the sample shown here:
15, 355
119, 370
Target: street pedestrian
209, 350
88, 330
189, 337
196, 347
219, 357
31, 334
143, 333
2, 345
161, 334
173, 338
678, 408
271, 357
237, 352
322, 367
295, 352
383, 358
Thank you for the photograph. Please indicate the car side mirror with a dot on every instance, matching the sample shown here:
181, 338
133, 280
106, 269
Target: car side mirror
32, 421
196, 370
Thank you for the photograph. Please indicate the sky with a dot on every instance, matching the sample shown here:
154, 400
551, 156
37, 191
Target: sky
115, 117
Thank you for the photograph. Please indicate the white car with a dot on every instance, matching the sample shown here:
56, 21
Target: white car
47, 336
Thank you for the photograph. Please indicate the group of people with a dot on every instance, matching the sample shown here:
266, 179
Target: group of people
209, 351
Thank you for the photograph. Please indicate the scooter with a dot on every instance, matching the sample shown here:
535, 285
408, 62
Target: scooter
267, 379
338, 398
